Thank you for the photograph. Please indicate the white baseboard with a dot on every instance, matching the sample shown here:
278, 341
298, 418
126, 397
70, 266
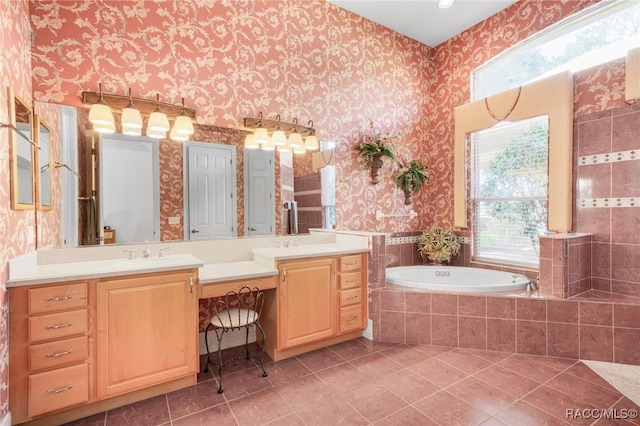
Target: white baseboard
231, 339
6, 420
367, 333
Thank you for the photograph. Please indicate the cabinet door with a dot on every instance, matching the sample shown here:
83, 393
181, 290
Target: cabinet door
147, 331
308, 302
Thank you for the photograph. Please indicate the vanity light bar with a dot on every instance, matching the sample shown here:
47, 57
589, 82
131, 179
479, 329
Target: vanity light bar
146, 106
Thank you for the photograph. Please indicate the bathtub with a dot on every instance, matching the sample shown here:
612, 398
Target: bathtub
455, 278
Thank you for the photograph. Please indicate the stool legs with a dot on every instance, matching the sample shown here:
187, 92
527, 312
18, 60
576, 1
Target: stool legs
219, 334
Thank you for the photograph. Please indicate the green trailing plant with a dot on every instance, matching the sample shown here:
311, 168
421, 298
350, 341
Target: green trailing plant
438, 244
375, 144
411, 178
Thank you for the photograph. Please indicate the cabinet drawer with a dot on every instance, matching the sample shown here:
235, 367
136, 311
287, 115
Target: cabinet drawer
57, 298
350, 297
350, 280
351, 318
53, 326
351, 263
60, 352
220, 289
58, 389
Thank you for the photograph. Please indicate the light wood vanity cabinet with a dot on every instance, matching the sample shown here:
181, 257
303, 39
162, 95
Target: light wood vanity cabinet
353, 292
307, 296
48, 348
145, 331
320, 301
81, 347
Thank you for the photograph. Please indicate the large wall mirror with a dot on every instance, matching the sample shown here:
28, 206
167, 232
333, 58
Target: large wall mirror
43, 139
88, 181
22, 154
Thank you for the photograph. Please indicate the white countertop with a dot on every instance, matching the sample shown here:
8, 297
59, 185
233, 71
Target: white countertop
26, 270
309, 250
43, 274
218, 272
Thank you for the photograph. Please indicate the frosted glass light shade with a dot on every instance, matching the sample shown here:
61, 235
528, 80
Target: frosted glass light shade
261, 135
156, 134
131, 118
174, 135
250, 142
101, 114
311, 143
184, 125
268, 146
279, 138
283, 148
158, 121
131, 131
299, 150
105, 128
295, 139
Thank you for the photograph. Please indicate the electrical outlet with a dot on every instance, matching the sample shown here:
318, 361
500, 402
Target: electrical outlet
174, 220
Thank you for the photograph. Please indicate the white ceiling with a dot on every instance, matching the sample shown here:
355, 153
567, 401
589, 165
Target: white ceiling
421, 19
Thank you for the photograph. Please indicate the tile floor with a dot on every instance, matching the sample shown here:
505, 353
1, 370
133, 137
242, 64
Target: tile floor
362, 382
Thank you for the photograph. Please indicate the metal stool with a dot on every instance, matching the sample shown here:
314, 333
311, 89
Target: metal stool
239, 309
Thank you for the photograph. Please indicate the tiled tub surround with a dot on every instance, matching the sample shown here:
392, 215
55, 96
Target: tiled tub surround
581, 329
566, 318
565, 265
607, 182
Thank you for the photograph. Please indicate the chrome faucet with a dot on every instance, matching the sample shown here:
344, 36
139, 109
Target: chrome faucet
162, 250
132, 253
292, 243
146, 253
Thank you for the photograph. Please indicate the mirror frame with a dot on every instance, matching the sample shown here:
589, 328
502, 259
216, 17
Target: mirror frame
16, 141
40, 126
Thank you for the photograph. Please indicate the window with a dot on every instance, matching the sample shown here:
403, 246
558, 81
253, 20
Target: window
328, 185
510, 191
596, 35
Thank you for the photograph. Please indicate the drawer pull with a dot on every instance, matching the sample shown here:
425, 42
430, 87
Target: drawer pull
351, 263
352, 281
57, 391
352, 297
56, 355
58, 298
57, 326
353, 318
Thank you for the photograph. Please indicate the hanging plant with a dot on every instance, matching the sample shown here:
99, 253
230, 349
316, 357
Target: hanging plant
373, 147
411, 178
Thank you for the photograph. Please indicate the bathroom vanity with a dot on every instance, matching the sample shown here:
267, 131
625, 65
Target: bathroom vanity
87, 336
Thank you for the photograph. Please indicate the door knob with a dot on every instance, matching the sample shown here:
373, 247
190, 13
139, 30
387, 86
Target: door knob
252, 229
193, 231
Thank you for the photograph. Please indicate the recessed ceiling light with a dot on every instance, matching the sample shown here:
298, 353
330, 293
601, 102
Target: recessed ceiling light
445, 4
